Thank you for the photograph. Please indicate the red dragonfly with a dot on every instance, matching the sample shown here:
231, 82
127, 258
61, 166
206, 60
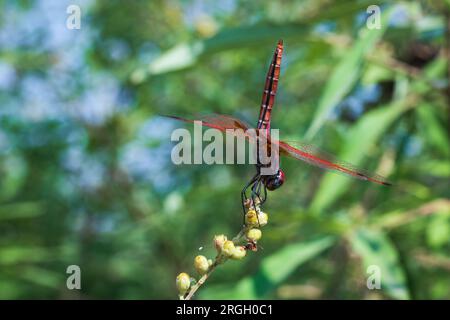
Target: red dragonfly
259, 184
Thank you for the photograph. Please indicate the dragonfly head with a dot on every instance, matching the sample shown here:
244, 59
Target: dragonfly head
274, 181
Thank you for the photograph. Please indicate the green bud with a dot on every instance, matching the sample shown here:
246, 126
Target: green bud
239, 253
183, 283
219, 240
251, 218
254, 234
263, 218
228, 248
201, 264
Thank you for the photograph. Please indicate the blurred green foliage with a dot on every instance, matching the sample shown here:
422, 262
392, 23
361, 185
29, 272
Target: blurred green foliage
85, 170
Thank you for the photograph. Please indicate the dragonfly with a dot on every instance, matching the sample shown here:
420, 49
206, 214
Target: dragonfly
259, 184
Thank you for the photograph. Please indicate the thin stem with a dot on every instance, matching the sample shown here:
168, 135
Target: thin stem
240, 234
201, 281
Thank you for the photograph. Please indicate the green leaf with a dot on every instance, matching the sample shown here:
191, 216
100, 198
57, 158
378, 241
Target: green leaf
437, 168
376, 249
21, 210
15, 255
438, 230
433, 131
346, 73
11, 289
187, 54
375, 74
43, 277
14, 170
361, 137
273, 271
180, 57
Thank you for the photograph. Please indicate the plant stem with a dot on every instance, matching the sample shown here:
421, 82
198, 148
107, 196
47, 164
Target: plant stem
201, 281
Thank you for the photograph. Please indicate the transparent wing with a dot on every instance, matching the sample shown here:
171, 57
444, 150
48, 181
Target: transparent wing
322, 159
222, 122
217, 121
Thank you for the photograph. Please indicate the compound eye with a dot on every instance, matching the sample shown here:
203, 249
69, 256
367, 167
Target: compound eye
275, 181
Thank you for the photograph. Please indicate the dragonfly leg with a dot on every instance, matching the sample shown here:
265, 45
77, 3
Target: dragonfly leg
265, 194
244, 192
256, 190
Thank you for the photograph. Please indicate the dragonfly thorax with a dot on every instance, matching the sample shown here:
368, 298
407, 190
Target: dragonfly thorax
274, 181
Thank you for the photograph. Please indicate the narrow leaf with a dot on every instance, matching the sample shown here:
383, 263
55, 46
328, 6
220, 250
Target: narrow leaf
377, 250
346, 73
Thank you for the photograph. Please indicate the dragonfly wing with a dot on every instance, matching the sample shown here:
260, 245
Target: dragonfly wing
217, 121
322, 159
223, 123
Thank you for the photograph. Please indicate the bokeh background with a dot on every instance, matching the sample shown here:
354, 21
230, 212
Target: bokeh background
85, 171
